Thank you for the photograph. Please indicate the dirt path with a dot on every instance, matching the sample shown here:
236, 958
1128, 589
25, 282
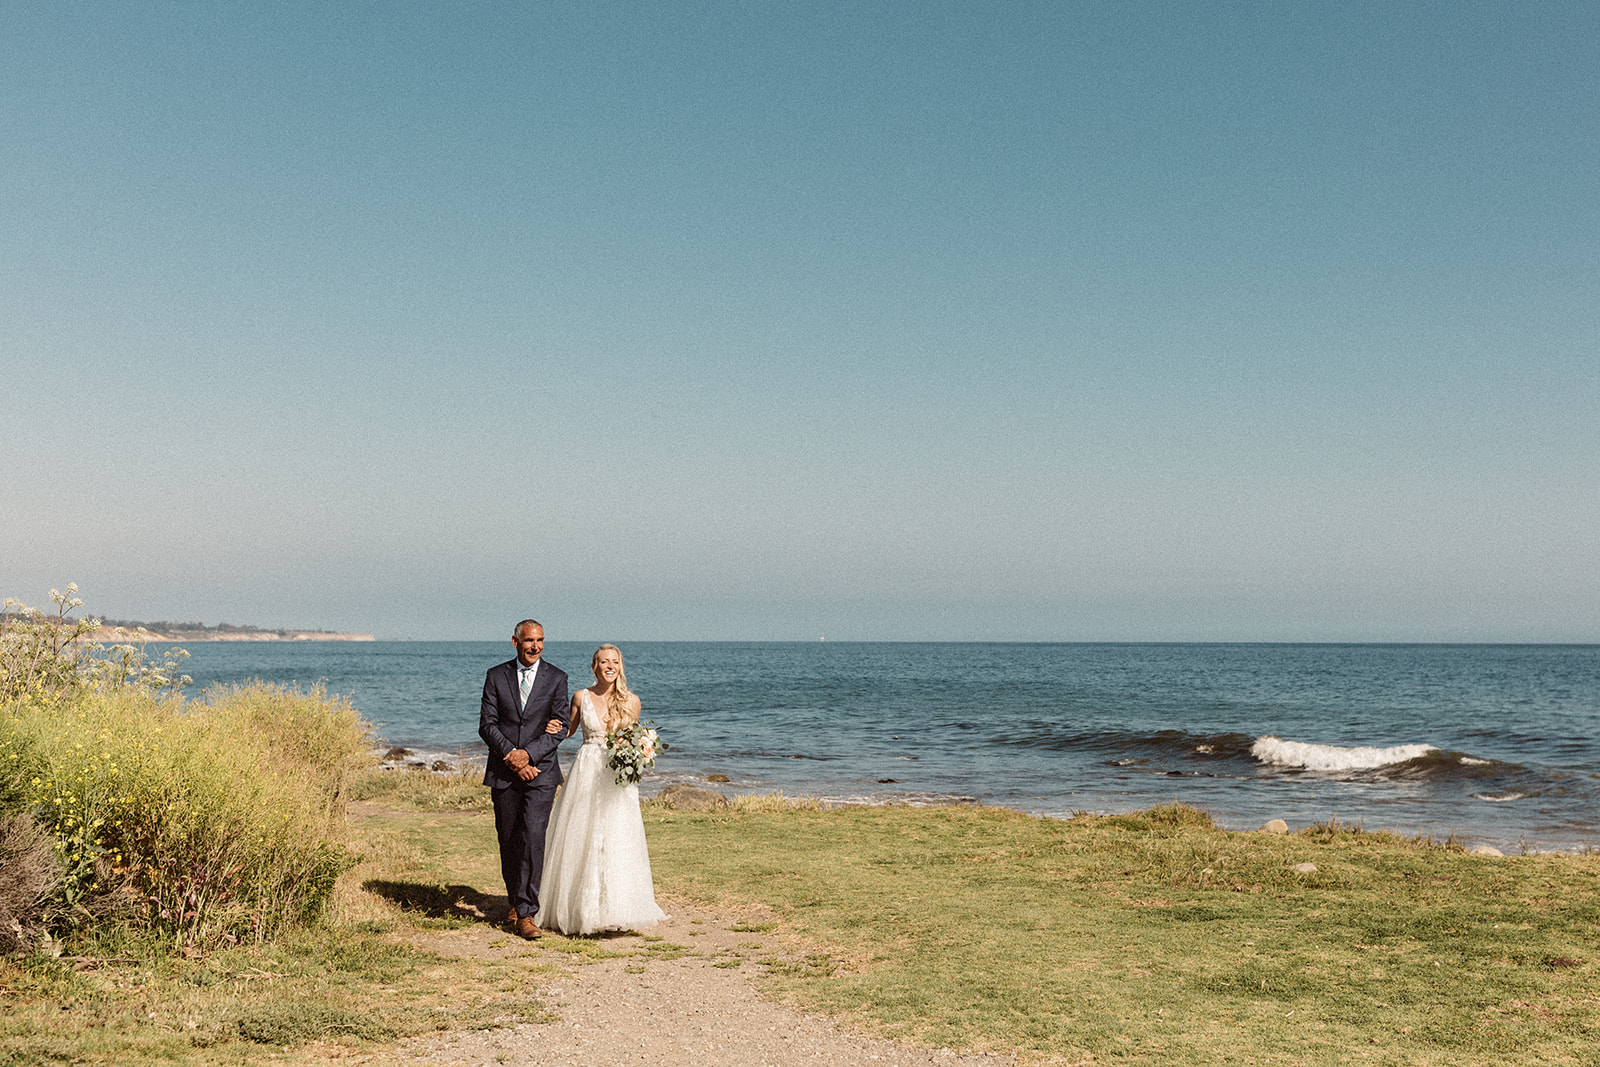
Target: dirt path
661, 1007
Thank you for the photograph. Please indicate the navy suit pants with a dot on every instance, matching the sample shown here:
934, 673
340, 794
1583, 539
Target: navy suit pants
521, 814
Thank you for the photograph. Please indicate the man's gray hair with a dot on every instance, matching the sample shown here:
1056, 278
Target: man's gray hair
517, 629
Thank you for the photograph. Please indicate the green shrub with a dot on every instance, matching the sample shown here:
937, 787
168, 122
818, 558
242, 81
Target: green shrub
316, 738
195, 820
200, 820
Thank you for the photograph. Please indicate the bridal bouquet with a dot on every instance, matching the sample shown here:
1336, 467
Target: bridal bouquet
633, 748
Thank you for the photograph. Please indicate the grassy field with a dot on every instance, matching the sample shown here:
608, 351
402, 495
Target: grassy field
1151, 937
1140, 939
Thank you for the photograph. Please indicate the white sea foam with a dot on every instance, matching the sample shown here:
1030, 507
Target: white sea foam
1500, 798
1281, 753
1472, 761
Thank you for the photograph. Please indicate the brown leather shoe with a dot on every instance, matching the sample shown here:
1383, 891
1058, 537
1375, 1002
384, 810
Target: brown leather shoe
527, 929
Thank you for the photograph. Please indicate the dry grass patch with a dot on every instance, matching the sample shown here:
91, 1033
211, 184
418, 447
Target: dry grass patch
422, 790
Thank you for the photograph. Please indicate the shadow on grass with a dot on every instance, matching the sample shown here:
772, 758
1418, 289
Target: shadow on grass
441, 901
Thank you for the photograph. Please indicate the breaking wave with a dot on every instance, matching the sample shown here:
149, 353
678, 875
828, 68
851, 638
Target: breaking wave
1280, 753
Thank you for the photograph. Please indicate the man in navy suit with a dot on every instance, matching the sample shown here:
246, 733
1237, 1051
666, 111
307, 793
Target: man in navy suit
520, 699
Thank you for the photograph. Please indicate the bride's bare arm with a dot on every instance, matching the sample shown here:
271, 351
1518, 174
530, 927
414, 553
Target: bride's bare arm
634, 707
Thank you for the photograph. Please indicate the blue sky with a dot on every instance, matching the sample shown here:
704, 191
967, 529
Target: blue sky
885, 321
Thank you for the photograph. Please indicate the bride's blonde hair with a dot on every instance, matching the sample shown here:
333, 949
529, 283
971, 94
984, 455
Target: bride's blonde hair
619, 709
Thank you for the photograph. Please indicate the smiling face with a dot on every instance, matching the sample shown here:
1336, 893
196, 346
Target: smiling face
529, 643
607, 665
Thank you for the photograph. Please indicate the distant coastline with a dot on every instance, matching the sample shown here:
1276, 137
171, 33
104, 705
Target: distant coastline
115, 631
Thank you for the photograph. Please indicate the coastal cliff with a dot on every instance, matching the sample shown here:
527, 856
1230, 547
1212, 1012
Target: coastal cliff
119, 633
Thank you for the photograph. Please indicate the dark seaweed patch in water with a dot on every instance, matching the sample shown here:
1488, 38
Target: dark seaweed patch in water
1439, 764
1170, 744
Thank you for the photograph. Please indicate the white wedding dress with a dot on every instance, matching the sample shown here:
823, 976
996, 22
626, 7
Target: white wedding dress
596, 866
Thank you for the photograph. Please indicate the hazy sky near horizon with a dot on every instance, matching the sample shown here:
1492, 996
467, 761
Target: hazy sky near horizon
1241, 321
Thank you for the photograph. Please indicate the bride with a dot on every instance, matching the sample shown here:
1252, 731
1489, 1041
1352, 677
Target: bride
596, 867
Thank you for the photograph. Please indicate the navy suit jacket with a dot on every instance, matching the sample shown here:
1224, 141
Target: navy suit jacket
506, 724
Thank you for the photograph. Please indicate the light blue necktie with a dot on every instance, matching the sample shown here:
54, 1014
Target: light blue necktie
525, 681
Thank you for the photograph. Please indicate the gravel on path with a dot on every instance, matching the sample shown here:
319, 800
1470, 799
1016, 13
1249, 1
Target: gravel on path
656, 1007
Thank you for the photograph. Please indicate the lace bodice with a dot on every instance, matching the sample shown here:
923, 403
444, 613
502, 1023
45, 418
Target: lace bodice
589, 717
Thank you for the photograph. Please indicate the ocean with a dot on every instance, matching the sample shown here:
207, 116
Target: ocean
1495, 744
